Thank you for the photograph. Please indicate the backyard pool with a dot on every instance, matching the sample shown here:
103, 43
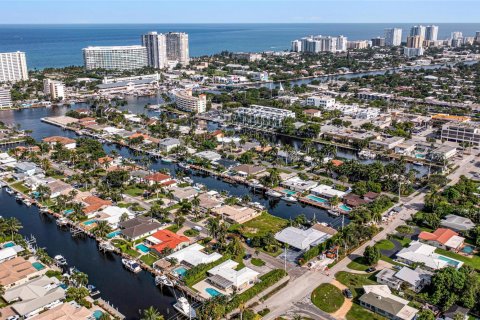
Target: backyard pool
316, 199
468, 249
143, 248
451, 262
97, 314
213, 293
113, 234
67, 212
181, 271
288, 192
89, 222
9, 244
38, 266
420, 156
344, 207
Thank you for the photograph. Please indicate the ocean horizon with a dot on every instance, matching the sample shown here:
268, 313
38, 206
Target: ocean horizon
60, 45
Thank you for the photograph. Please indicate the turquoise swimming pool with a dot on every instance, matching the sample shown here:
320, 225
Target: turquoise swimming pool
181, 271
90, 222
289, 192
317, 199
67, 212
468, 249
9, 244
113, 234
212, 292
344, 207
38, 266
420, 156
143, 248
97, 314
451, 262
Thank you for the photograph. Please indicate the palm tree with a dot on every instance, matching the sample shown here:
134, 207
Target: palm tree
44, 192
80, 279
102, 229
151, 314
213, 225
11, 225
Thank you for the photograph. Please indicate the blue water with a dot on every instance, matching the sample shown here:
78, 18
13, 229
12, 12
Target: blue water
344, 207
113, 234
212, 292
468, 249
453, 263
9, 244
143, 248
90, 222
317, 199
38, 266
289, 192
97, 314
181, 271
61, 45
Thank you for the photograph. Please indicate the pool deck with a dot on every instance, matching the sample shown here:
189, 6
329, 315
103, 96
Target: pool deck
314, 203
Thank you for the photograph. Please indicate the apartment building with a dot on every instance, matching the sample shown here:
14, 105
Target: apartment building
115, 57
5, 98
178, 47
465, 132
54, 89
187, 102
393, 37
260, 116
316, 101
156, 44
13, 67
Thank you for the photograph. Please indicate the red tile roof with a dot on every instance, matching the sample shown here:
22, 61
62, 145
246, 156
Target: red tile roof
157, 177
441, 235
94, 203
169, 240
58, 139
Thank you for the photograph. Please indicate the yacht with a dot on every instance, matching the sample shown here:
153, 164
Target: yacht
167, 160
334, 213
106, 246
45, 210
61, 222
93, 290
184, 308
289, 198
60, 260
131, 265
163, 280
27, 202
184, 165
273, 194
19, 197
188, 180
9, 191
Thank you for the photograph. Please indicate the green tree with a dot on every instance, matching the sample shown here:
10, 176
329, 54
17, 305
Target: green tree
371, 255
151, 314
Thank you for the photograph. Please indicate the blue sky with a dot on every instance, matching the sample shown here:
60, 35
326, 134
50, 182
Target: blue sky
237, 11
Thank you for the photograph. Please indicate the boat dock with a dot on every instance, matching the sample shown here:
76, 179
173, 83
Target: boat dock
110, 308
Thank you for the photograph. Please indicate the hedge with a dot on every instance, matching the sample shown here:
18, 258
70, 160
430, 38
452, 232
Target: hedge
198, 273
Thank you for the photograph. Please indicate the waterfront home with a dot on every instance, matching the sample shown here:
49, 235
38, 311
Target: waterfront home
314, 113
167, 144
66, 311
442, 238
371, 196
34, 296
353, 200
425, 254
187, 193
92, 204
406, 148
379, 299
442, 153
416, 279
299, 185
139, 227
17, 271
235, 214
32, 182
67, 143
139, 175
159, 179
25, 169
246, 170
382, 143
343, 135
457, 223
166, 240
209, 200
113, 214
226, 277
6, 159
327, 191
301, 239
209, 155
105, 162
7, 254
324, 228
194, 255
58, 187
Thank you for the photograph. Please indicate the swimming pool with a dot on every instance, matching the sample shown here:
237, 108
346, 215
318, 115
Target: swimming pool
38, 266
317, 199
97, 314
143, 248
9, 244
420, 156
289, 192
344, 207
113, 234
212, 292
468, 249
181, 271
451, 262
67, 212
89, 222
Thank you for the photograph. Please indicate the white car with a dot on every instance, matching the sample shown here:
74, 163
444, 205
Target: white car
198, 228
13, 317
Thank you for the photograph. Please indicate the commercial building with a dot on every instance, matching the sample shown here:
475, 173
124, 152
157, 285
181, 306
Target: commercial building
5, 98
316, 101
115, 57
156, 44
378, 42
260, 116
465, 132
379, 299
431, 33
187, 102
413, 52
54, 89
414, 42
13, 67
178, 47
393, 37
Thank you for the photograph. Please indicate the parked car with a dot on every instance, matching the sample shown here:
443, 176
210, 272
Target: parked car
347, 293
247, 256
15, 317
198, 228
371, 269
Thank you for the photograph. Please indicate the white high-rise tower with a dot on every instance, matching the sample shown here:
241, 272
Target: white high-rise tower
156, 44
393, 37
431, 33
177, 47
13, 67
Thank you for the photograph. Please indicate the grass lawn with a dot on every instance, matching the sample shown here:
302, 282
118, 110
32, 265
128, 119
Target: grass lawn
358, 264
327, 297
258, 262
148, 259
355, 282
358, 312
191, 233
260, 226
404, 241
134, 192
174, 228
385, 245
473, 262
20, 187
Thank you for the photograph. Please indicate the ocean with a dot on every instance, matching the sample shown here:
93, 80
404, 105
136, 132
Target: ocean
61, 45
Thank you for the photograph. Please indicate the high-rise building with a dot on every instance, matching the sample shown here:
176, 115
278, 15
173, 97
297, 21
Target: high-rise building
54, 89
378, 42
186, 101
13, 67
477, 37
177, 47
296, 46
156, 44
413, 52
431, 33
115, 57
418, 31
358, 44
342, 43
393, 37
456, 35
414, 41
5, 98
315, 44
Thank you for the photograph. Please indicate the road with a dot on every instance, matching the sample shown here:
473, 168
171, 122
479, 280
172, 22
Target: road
296, 295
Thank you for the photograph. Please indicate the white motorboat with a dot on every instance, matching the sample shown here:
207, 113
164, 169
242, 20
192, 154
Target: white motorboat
185, 308
44, 210
334, 213
167, 160
19, 197
93, 290
106, 246
60, 260
273, 194
131, 265
164, 281
61, 222
9, 191
418, 164
188, 180
289, 199
184, 165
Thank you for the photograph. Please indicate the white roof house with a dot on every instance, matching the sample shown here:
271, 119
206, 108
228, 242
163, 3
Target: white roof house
301, 239
327, 191
7, 254
194, 256
425, 254
298, 184
112, 215
227, 276
5, 158
209, 155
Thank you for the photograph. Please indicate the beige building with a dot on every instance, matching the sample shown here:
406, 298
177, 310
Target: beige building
236, 214
187, 102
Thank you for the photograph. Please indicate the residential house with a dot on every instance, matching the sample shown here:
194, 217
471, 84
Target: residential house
416, 279
353, 200
442, 238
25, 169
300, 239
7, 254
420, 253
32, 182
299, 185
139, 175
226, 277
139, 227
58, 187
406, 148
193, 255
187, 193
92, 204
67, 143
314, 113
371, 196
385, 143
236, 214
167, 144
327, 191
209, 155
66, 311
379, 299
159, 178
457, 223
16, 271
246, 170
113, 214
209, 200
166, 240
455, 312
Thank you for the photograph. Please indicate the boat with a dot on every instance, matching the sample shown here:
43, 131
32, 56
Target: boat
19, 197
93, 290
257, 205
184, 165
273, 194
9, 191
418, 164
27, 202
106, 246
44, 210
163, 280
184, 308
366, 154
61, 222
131, 265
289, 199
167, 160
188, 180
60, 260
334, 213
